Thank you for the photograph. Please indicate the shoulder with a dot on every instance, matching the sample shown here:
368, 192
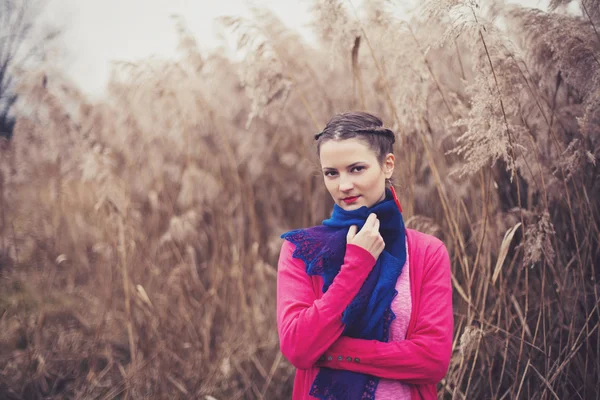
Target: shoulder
426, 251
295, 236
312, 242
294, 241
287, 263
423, 241
287, 249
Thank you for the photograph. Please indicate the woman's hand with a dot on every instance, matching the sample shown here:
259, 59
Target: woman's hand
368, 238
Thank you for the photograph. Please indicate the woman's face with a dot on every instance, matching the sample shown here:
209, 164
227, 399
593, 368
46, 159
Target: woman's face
352, 173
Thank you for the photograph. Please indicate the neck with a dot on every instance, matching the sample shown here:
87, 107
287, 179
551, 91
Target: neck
386, 210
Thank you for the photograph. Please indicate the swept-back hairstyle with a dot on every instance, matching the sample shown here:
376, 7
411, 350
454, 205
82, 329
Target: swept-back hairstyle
360, 125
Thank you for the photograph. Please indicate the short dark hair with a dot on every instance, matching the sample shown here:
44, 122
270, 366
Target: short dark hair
360, 125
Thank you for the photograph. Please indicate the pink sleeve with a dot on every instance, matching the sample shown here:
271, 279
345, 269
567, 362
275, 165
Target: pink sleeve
425, 356
308, 325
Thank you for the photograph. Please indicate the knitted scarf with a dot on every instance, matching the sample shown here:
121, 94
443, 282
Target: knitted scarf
369, 315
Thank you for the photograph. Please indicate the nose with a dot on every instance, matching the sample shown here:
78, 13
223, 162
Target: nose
346, 183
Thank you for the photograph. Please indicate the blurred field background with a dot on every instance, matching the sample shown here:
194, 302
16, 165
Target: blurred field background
139, 234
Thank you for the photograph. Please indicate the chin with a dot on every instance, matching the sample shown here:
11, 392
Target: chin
350, 207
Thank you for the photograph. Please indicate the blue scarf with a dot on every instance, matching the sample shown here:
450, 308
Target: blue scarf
369, 315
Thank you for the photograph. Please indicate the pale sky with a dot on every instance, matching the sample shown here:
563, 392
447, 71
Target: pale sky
97, 32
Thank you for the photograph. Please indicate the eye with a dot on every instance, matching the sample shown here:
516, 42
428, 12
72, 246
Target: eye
358, 168
330, 173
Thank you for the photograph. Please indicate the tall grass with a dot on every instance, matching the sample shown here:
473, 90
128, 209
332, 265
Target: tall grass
139, 235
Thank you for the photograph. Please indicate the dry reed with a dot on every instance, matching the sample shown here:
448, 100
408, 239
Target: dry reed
139, 235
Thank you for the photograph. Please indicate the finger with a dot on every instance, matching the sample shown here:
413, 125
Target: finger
351, 233
380, 246
376, 224
371, 220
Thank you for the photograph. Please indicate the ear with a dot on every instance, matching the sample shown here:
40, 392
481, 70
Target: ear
388, 165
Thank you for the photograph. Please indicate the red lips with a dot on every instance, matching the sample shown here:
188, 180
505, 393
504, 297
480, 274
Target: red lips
350, 200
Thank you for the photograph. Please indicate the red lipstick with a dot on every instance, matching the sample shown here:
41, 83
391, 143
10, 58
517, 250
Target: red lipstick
350, 200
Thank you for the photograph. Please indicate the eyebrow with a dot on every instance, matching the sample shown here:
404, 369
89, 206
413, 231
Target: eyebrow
349, 166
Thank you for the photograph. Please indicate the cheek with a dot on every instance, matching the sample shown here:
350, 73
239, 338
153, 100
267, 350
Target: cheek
375, 179
329, 184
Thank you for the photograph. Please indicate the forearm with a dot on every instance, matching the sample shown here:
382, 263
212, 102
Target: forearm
424, 355
411, 362
309, 325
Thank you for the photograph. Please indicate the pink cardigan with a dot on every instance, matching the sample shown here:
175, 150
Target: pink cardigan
310, 326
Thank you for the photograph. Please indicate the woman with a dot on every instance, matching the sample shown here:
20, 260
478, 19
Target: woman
364, 306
